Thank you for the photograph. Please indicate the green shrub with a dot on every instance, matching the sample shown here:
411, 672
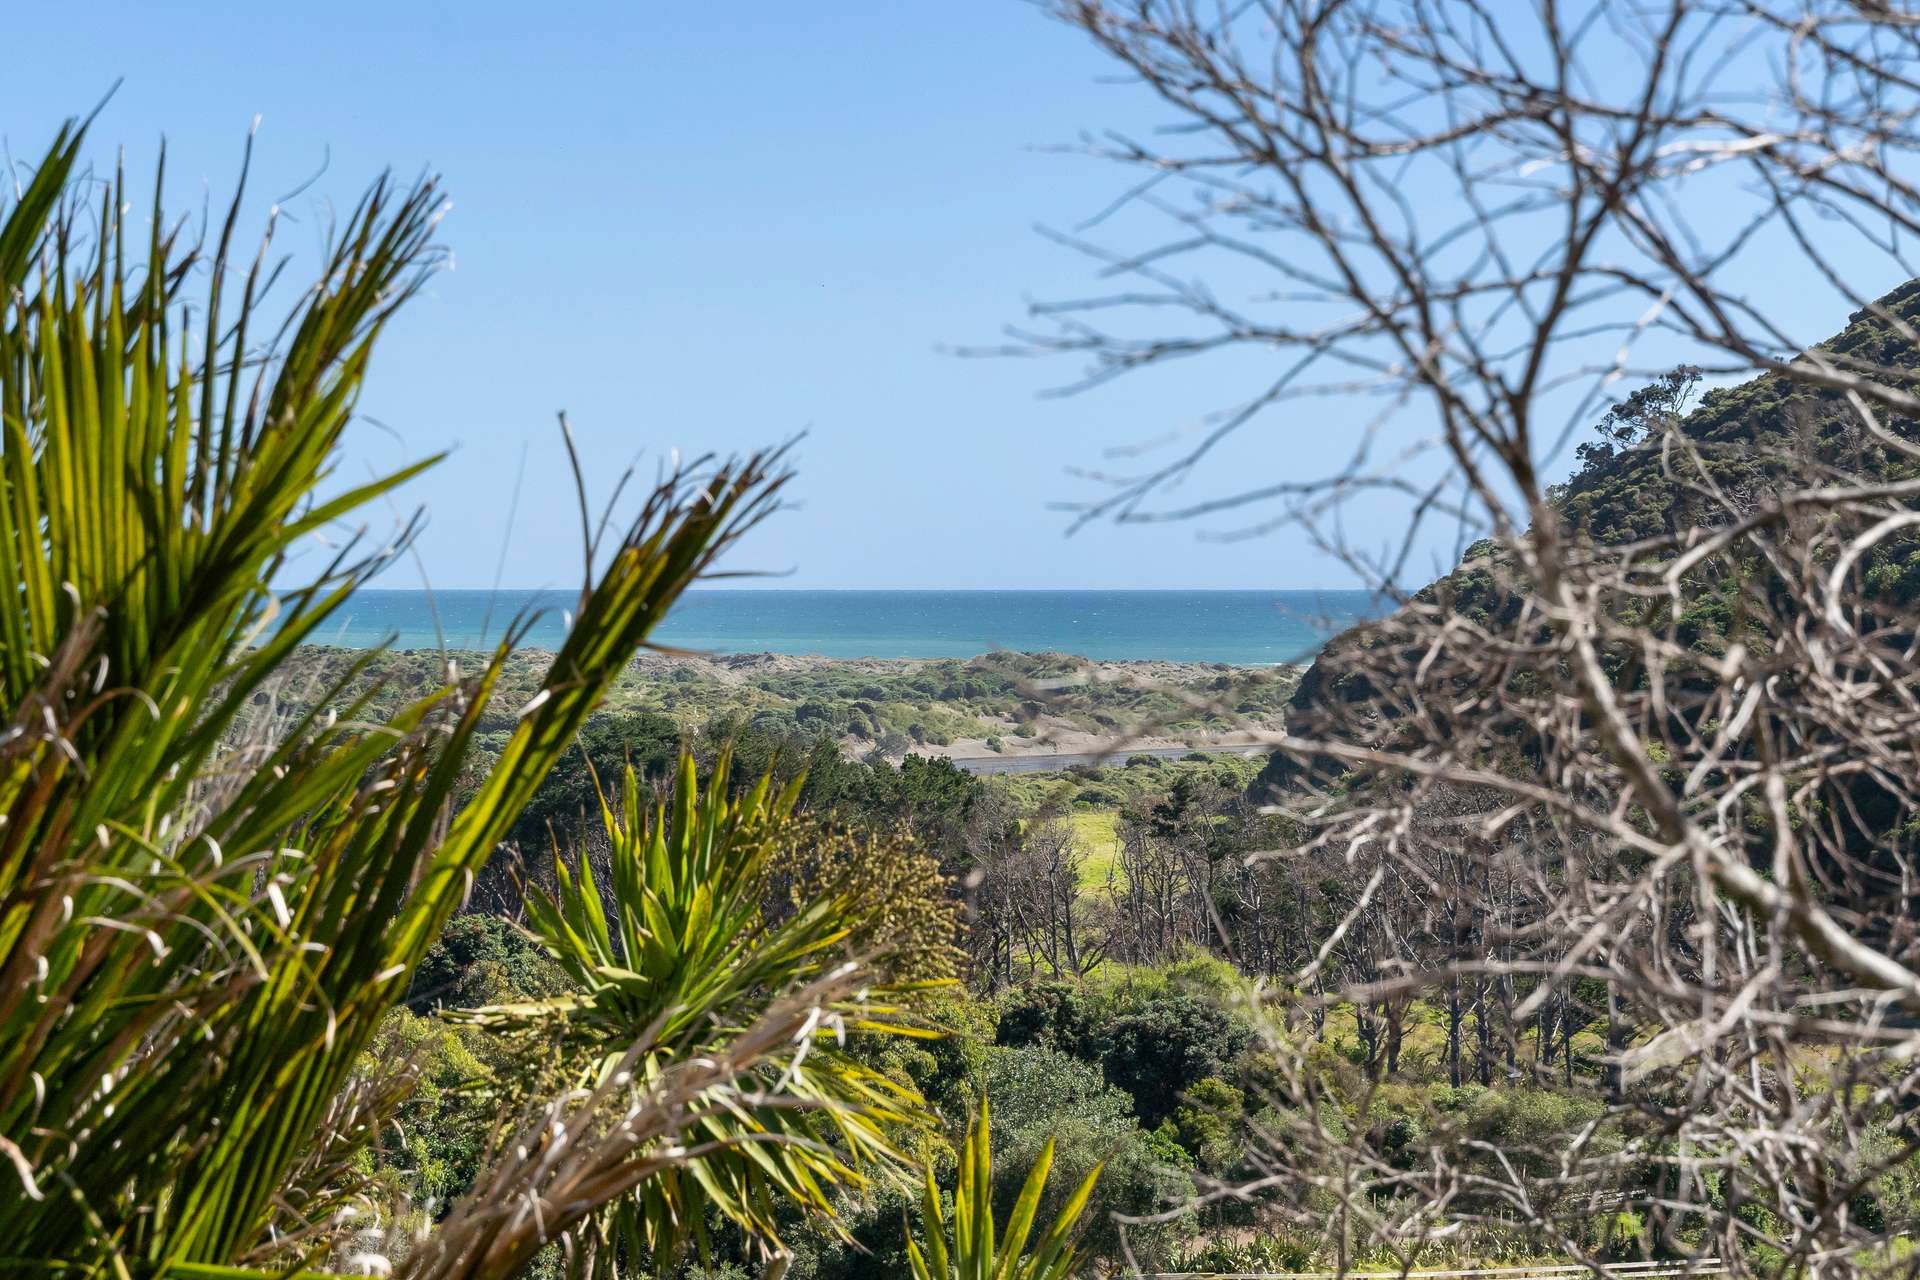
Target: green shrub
1038, 1093
1207, 1123
1160, 1052
1063, 1016
1625, 1235
480, 960
1268, 1253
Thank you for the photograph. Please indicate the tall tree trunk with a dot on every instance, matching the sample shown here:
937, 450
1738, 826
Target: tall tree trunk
1396, 1031
1319, 982
1510, 1037
1546, 1027
1453, 1032
1455, 945
1483, 1032
1619, 1034
1567, 1009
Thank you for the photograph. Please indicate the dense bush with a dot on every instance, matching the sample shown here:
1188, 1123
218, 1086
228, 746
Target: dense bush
1157, 1053
433, 1149
647, 740
1207, 1125
480, 960
1063, 1016
1040, 1093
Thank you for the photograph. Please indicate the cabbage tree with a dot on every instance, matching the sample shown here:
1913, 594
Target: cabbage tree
210, 896
969, 1247
678, 948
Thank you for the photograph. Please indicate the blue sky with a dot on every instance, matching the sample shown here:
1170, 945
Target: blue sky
692, 226
702, 227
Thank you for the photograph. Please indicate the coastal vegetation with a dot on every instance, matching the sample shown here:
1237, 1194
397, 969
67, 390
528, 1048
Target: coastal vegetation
1569, 921
1031, 702
739, 1016
1646, 754
212, 903
249, 1030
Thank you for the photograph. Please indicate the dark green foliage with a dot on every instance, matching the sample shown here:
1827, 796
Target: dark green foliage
1063, 1016
1636, 483
1894, 572
648, 741
930, 795
1206, 1124
481, 959
946, 1070
1753, 437
1706, 622
1040, 1093
1160, 1051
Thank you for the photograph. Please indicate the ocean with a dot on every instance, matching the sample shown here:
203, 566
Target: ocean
1238, 627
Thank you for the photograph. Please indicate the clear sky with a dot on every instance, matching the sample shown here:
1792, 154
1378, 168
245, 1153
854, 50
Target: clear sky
703, 227
693, 226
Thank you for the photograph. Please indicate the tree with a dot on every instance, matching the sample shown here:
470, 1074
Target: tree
1159, 1051
1044, 1096
973, 1248
607, 746
209, 903
1673, 689
678, 952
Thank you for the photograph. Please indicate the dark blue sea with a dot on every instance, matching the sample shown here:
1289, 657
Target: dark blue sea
1241, 627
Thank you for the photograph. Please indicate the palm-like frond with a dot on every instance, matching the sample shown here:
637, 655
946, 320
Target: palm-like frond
602, 1144
971, 1251
677, 948
199, 930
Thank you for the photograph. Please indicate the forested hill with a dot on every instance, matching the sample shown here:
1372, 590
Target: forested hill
1749, 439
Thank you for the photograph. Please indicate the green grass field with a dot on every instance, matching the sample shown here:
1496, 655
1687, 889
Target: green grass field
1097, 834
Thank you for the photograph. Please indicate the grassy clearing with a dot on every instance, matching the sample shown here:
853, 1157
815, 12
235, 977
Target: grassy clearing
1424, 1045
1097, 834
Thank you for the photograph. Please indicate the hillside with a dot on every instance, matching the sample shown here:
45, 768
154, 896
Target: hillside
1748, 440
